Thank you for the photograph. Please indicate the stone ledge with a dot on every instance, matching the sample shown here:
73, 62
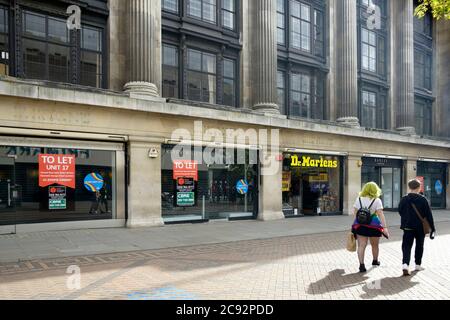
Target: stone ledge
66, 93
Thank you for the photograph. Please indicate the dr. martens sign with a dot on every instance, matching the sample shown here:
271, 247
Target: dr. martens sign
308, 162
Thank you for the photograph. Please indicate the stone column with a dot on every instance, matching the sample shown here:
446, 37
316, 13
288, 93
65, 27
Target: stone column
352, 185
347, 62
144, 190
403, 65
265, 56
271, 200
447, 190
442, 106
144, 52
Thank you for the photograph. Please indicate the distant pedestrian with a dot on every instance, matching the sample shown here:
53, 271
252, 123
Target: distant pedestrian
416, 222
370, 223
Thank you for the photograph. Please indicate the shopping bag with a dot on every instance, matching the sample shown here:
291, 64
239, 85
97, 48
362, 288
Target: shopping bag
351, 242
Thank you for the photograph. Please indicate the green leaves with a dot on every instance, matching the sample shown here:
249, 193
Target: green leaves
439, 9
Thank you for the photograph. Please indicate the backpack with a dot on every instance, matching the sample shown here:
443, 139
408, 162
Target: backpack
363, 216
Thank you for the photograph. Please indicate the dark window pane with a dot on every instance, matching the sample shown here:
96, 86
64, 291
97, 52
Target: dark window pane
34, 59
194, 84
228, 19
170, 82
228, 68
195, 8
170, 56
4, 20
228, 92
91, 69
209, 10
171, 5
209, 63
91, 39
58, 63
57, 30
194, 60
34, 24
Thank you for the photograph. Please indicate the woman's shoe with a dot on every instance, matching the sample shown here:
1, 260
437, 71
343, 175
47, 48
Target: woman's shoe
376, 263
362, 268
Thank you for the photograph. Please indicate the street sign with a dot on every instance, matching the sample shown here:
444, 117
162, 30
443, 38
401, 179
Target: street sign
185, 199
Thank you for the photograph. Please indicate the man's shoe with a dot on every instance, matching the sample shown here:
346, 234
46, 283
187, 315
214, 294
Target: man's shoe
406, 270
376, 263
419, 268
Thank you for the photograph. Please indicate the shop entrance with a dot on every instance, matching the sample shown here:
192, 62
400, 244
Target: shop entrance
8, 195
387, 173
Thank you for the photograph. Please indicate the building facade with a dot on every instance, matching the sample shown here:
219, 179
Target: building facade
92, 113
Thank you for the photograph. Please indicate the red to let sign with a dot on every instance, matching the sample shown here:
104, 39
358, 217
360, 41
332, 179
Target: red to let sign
57, 169
185, 169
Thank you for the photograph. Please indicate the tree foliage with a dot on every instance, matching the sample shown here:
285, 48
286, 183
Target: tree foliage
439, 9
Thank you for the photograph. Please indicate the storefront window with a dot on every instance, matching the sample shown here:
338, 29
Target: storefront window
56, 184
434, 177
194, 191
387, 173
312, 185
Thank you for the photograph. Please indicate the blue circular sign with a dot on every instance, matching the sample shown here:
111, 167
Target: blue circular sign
242, 186
438, 187
93, 182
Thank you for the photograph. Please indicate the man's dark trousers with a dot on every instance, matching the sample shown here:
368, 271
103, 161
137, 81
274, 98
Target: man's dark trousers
408, 240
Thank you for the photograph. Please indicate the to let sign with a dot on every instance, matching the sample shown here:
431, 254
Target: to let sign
57, 169
185, 169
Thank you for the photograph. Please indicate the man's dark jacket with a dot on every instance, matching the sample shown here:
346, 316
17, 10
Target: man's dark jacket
409, 218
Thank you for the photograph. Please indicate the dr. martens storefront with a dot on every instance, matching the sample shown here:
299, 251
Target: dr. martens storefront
312, 184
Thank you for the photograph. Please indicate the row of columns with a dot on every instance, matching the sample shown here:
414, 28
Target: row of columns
144, 57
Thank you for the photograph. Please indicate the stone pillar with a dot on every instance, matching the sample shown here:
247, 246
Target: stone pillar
352, 185
265, 57
144, 52
442, 78
410, 172
447, 189
144, 190
347, 62
403, 65
270, 193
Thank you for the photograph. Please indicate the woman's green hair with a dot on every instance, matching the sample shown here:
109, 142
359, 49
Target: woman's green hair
371, 190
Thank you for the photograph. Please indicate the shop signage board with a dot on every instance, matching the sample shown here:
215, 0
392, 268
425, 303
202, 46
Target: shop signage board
57, 198
185, 184
185, 199
321, 177
242, 186
309, 162
185, 169
57, 169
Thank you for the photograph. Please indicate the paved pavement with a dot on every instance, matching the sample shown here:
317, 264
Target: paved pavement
303, 267
274, 265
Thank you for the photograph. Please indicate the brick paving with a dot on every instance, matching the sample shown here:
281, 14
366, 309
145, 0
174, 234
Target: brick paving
294, 267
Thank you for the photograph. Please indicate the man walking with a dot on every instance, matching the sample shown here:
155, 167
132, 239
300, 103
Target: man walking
412, 224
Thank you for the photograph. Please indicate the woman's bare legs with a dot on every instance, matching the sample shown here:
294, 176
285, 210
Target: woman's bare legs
362, 244
375, 244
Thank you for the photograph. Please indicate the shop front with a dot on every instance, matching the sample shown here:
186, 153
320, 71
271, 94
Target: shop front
312, 184
48, 181
388, 174
434, 178
194, 190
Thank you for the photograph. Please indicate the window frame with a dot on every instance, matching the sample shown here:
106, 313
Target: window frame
381, 105
427, 107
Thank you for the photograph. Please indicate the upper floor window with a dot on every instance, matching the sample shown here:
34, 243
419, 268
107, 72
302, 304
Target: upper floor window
373, 36
170, 81
373, 109
423, 52
423, 116
303, 22
201, 76
204, 10
422, 69
228, 14
91, 59
281, 88
229, 83
4, 43
170, 5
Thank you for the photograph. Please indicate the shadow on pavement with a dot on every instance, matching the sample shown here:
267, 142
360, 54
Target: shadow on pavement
388, 286
337, 280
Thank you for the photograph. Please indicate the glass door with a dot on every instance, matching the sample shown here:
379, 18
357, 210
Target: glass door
7, 195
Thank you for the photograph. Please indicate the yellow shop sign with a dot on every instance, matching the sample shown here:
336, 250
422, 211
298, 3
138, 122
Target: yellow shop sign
307, 162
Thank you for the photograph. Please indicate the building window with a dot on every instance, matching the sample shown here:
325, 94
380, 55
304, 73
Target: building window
368, 50
369, 109
229, 83
228, 14
281, 24
46, 47
201, 76
281, 88
91, 57
170, 72
423, 53
300, 95
319, 36
170, 5
204, 10
423, 117
422, 69
4, 45
301, 25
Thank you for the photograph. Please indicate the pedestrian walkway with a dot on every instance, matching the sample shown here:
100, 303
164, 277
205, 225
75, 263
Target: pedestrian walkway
52, 244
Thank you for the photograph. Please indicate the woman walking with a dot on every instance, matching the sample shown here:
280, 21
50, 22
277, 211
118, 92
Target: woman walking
370, 223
